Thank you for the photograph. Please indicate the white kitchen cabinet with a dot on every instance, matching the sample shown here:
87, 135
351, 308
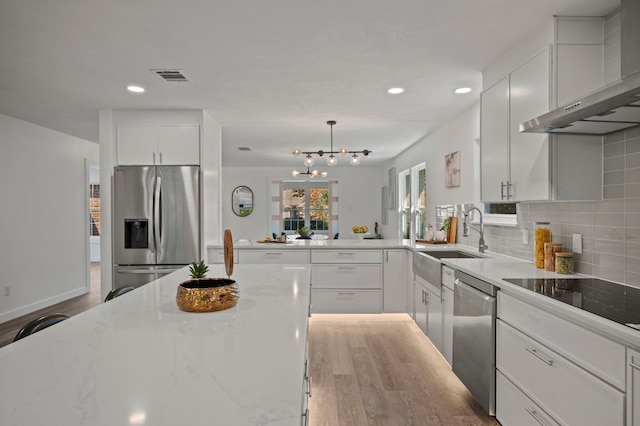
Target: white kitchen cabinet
158, 145
428, 311
216, 255
346, 281
420, 296
447, 313
273, 256
633, 388
514, 408
396, 281
578, 57
561, 388
515, 166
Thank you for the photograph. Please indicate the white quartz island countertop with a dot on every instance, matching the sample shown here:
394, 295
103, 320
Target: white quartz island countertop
139, 360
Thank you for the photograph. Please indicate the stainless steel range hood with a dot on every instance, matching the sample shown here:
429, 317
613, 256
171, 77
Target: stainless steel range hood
612, 108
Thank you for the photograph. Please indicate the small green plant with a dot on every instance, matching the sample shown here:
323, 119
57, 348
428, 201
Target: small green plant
198, 269
304, 230
445, 225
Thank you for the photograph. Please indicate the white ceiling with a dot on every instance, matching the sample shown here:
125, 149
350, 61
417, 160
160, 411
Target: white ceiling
270, 72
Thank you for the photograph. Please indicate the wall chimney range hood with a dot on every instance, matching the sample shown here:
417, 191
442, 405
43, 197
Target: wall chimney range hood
614, 107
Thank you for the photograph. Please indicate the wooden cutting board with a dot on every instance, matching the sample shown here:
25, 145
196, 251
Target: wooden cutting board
228, 252
453, 229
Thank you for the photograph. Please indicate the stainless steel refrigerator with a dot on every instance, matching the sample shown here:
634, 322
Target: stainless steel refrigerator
156, 221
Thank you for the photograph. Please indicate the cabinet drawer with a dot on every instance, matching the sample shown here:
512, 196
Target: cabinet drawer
346, 256
216, 255
560, 387
346, 276
346, 301
273, 256
513, 408
601, 356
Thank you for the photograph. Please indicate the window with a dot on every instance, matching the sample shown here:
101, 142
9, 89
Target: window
94, 210
299, 203
305, 204
413, 202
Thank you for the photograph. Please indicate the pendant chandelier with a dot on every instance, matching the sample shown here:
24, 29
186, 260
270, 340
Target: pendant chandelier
311, 173
332, 160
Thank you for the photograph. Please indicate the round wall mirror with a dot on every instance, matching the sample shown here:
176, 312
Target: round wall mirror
242, 201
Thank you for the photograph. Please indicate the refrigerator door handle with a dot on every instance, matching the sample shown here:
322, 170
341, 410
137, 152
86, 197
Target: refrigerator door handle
156, 215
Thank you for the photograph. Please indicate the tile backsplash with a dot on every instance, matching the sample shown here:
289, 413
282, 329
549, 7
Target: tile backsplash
610, 228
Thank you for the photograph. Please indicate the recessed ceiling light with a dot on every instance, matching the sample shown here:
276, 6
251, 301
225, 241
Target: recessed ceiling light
135, 89
460, 90
395, 90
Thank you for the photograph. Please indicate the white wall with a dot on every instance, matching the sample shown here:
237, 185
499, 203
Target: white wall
44, 216
458, 134
359, 199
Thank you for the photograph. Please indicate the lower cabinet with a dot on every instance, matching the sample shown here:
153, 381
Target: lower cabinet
548, 372
273, 256
514, 407
346, 281
428, 311
633, 388
447, 324
395, 281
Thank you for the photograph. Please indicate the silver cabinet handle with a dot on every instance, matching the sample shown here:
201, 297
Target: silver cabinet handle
448, 272
534, 414
274, 254
160, 157
535, 353
344, 293
634, 365
308, 392
502, 185
154, 158
305, 417
345, 253
346, 268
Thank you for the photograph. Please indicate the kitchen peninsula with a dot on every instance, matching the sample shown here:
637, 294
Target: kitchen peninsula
138, 359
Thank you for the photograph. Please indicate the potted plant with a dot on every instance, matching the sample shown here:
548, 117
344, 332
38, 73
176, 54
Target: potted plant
202, 294
304, 231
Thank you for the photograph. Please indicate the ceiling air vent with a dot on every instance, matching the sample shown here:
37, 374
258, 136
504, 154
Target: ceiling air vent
171, 75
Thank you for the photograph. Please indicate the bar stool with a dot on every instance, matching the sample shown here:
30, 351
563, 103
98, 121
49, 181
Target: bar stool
39, 324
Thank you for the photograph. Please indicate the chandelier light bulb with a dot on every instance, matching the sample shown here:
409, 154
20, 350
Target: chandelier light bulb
355, 160
297, 152
314, 173
343, 151
323, 174
332, 160
308, 160
295, 173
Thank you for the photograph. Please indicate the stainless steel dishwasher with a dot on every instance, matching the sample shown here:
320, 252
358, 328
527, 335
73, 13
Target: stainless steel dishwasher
474, 337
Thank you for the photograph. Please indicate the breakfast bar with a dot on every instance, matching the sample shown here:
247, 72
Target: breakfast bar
138, 359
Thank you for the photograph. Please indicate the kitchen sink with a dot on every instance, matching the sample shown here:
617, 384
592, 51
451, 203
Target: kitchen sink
451, 254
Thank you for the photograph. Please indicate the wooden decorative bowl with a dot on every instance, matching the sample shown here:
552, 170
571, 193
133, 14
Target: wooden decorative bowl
207, 294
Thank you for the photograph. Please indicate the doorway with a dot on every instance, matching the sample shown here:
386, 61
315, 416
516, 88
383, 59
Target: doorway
94, 229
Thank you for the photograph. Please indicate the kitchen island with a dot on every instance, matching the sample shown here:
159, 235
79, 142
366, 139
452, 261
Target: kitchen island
138, 359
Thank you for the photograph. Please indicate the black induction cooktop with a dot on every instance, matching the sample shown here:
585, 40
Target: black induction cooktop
606, 299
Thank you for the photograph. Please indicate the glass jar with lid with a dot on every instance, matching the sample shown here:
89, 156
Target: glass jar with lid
542, 234
564, 263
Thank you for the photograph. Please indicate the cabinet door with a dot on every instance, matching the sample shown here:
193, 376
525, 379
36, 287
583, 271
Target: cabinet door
494, 141
529, 152
396, 281
578, 71
447, 323
633, 388
420, 306
179, 145
434, 320
136, 145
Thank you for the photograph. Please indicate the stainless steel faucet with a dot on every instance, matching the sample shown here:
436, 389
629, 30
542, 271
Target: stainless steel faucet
465, 229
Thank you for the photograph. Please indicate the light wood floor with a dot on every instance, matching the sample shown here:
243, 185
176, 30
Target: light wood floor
69, 307
366, 370
383, 373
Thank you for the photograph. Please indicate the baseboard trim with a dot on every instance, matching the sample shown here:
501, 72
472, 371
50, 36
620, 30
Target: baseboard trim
24, 310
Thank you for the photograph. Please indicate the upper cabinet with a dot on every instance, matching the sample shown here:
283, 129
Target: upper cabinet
514, 165
158, 145
578, 57
518, 166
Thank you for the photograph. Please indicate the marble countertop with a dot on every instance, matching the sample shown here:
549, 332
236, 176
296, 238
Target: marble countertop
345, 244
139, 360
